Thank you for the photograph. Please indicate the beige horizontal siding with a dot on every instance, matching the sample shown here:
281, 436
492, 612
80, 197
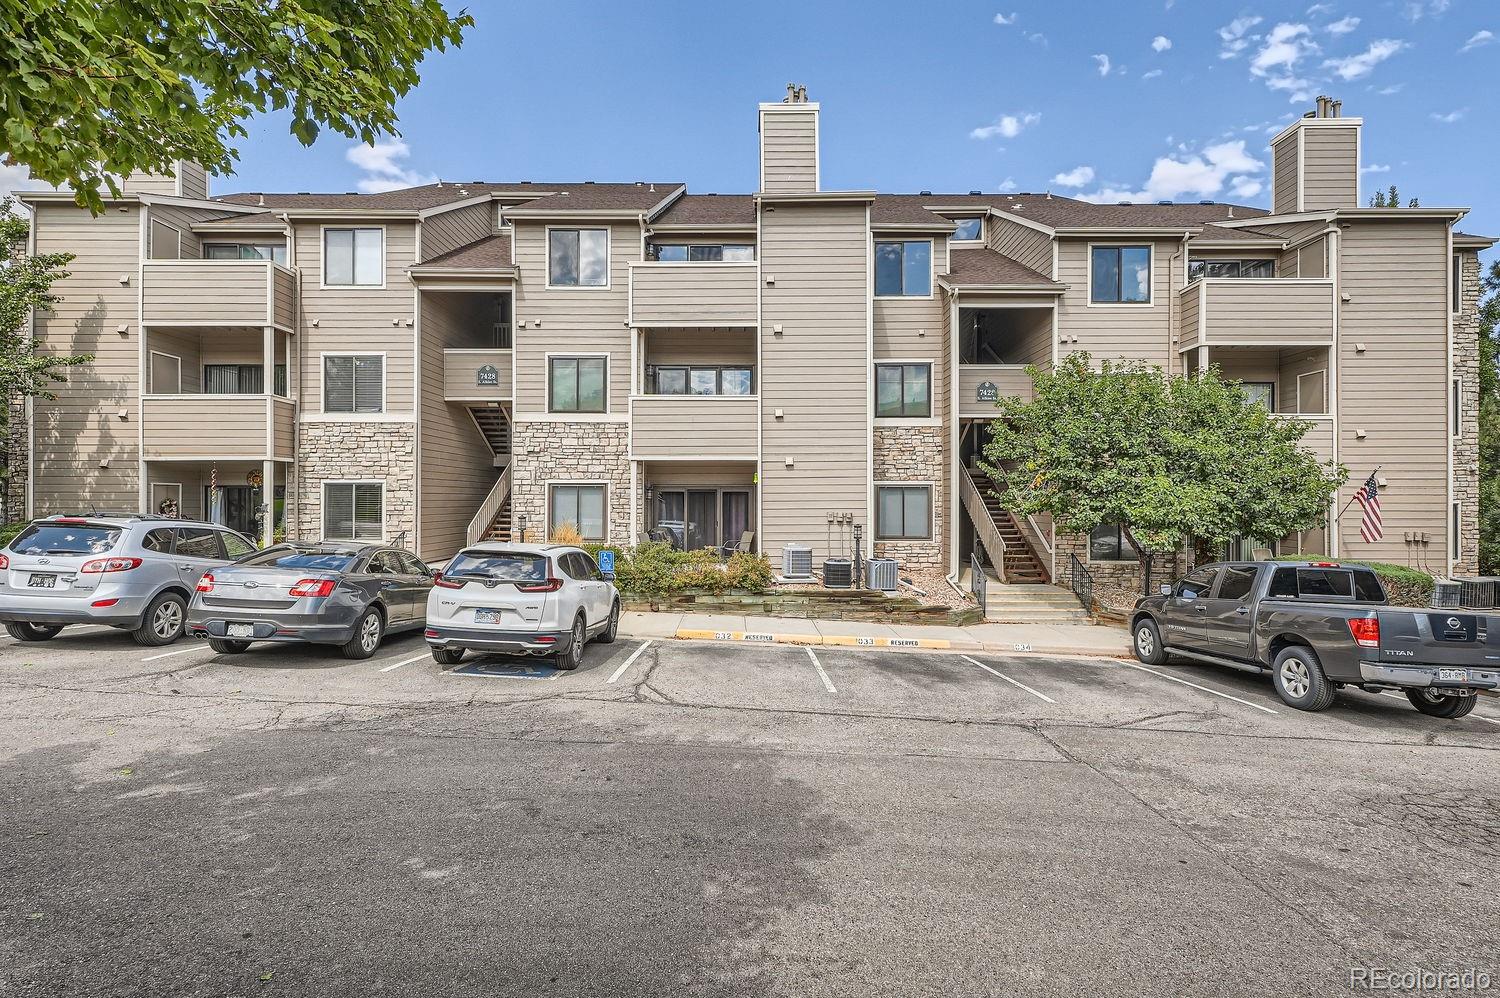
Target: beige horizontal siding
1319, 436
207, 292
457, 227
1269, 312
1192, 299
461, 375
1021, 243
284, 302
788, 151
720, 426
206, 425
1009, 380
284, 429
1330, 169
693, 294
1284, 175
1122, 332
912, 329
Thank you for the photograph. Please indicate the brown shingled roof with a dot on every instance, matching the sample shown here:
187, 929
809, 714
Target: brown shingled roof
1056, 211
633, 197
489, 253
709, 210
1217, 232
987, 268
601, 197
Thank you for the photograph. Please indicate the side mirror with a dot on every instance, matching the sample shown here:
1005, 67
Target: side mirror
1165, 589
436, 575
608, 576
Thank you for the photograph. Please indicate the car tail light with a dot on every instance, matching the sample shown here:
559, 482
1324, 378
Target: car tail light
442, 583
101, 565
70, 520
1366, 631
313, 587
546, 639
550, 586
4, 562
1325, 564
206, 584
104, 602
429, 633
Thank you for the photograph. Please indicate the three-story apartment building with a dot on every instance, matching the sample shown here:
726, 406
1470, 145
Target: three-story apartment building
447, 362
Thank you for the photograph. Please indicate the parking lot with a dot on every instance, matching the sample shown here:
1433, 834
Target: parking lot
680, 817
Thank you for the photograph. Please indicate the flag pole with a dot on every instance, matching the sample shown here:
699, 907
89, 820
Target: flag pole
1356, 495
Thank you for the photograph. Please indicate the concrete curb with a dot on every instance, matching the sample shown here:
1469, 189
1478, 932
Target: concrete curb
909, 644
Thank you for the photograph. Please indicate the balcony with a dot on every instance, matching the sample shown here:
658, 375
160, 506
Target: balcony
677, 427
482, 375
1319, 438
221, 427
1274, 312
979, 385
693, 294
218, 293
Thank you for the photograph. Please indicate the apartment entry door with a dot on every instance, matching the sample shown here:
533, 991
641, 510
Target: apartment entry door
702, 518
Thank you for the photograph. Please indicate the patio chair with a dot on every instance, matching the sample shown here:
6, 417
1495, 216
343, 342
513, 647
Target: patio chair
1261, 554
741, 547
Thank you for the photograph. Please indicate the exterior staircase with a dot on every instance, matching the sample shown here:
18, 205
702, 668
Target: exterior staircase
494, 424
1022, 564
499, 528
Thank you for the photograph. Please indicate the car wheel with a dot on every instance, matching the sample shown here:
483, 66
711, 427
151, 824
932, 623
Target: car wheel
163, 621
225, 647
22, 631
1147, 642
1436, 705
447, 656
1298, 677
368, 634
571, 659
611, 629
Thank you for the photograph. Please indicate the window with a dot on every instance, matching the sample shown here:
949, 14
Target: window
166, 374
411, 565
1120, 275
233, 379
1236, 582
703, 381
903, 269
1231, 268
1262, 393
700, 252
166, 242
354, 257
1456, 412
577, 384
582, 506
1197, 583
198, 542
578, 258
246, 251
902, 512
1455, 527
353, 383
970, 230
384, 563
1326, 583
1312, 393
903, 391
353, 511
1457, 282
236, 546
158, 540
1107, 542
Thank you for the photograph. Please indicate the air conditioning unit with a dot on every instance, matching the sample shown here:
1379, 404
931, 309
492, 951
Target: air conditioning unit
796, 561
838, 573
883, 574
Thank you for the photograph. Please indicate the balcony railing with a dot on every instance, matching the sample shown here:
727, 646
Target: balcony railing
476, 375
1319, 437
218, 293
979, 385
183, 427
1271, 312
713, 427
693, 294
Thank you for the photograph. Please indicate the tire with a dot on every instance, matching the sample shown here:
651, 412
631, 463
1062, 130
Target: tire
226, 647
1298, 677
611, 629
1433, 705
447, 656
368, 634
163, 622
22, 631
571, 659
1147, 642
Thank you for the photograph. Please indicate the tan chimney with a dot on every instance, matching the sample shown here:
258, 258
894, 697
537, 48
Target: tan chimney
789, 144
1315, 161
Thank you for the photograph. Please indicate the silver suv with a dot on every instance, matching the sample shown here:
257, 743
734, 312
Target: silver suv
126, 570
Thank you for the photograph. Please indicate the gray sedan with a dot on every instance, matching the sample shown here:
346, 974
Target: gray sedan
348, 595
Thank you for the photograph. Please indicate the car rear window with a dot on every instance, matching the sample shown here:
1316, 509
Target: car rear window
1358, 584
506, 566
317, 561
66, 538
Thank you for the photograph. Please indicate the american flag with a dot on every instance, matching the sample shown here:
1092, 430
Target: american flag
1370, 528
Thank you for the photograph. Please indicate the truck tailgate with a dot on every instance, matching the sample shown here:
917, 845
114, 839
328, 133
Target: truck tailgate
1438, 637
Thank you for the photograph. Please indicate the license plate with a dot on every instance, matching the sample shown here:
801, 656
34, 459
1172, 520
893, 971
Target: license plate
1453, 675
240, 630
488, 616
42, 582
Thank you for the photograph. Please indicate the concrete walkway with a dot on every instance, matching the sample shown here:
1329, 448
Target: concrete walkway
1049, 639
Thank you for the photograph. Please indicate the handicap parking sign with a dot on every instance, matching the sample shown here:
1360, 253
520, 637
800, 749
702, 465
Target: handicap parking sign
607, 562
507, 668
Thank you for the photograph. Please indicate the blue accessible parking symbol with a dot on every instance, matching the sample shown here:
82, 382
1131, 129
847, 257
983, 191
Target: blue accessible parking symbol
507, 668
607, 562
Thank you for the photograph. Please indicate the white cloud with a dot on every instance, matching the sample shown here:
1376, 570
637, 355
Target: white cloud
1234, 36
1342, 26
1001, 19
1008, 127
1415, 10
15, 177
1284, 47
1319, 8
1007, 185
1037, 38
1245, 187
1195, 174
1449, 117
1161, 43
1477, 39
1151, 75
1394, 88
1076, 177
385, 173
1356, 66
1103, 61
1376, 168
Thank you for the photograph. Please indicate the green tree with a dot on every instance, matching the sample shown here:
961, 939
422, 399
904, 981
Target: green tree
1176, 459
96, 89
1390, 199
1489, 424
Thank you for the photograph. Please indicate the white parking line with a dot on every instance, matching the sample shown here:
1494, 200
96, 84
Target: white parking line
169, 654
1013, 682
409, 661
1402, 696
827, 683
628, 662
1205, 689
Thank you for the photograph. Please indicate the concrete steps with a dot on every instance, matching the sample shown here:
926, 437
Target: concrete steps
1031, 604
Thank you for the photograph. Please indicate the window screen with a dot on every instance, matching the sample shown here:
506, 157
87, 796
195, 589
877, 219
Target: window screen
353, 511
353, 383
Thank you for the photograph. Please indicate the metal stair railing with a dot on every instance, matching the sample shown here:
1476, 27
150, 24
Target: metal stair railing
489, 508
984, 527
1082, 582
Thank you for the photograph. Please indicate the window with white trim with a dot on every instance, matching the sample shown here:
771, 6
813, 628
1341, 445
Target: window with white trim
578, 506
353, 257
353, 511
353, 383
578, 258
969, 230
1120, 275
1456, 408
1107, 542
1457, 291
1456, 516
903, 512
903, 269
577, 384
903, 391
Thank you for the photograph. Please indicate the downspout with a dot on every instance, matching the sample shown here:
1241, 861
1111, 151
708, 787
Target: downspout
293, 371
1174, 306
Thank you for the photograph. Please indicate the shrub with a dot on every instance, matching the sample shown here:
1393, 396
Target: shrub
656, 570
566, 533
750, 572
1403, 586
9, 531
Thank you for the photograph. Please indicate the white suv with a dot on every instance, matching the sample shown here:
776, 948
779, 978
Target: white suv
521, 599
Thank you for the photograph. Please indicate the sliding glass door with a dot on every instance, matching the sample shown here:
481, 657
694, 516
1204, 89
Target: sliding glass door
702, 518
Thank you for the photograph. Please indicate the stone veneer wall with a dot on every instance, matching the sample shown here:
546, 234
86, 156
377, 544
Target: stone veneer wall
17, 443
357, 450
1126, 574
1466, 447
557, 451
914, 454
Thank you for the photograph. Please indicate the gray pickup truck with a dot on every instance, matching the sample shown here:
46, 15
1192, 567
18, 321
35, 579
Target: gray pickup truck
1318, 627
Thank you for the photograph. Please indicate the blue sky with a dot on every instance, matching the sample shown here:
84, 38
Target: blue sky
1158, 99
